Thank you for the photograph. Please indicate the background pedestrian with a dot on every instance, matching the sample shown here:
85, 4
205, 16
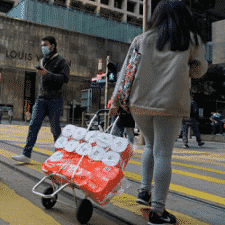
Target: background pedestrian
193, 123
10, 114
1, 114
171, 51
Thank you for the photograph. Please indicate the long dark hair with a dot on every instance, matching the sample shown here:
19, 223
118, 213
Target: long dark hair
174, 22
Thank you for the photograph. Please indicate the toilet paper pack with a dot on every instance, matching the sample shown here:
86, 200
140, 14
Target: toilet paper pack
71, 145
68, 130
79, 133
112, 158
104, 140
61, 142
91, 135
55, 162
97, 153
124, 149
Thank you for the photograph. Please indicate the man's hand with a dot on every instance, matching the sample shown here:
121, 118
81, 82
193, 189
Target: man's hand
42, 72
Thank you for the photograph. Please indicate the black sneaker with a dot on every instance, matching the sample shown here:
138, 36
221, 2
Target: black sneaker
166, 218
201, 143
144, 198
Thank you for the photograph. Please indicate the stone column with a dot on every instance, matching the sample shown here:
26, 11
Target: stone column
98, 7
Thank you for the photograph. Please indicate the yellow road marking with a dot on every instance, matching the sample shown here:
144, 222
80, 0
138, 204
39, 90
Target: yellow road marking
184, 190
198, 176
198, 167
179, 150
193, 158
194, 175
186, 165
18, 210
209, 160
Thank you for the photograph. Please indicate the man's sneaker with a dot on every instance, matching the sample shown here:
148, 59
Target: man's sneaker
186, 146
201, 143
144, 198
165, 218
21, 158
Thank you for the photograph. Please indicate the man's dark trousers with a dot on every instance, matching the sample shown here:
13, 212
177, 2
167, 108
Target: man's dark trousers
194, 125
42, 108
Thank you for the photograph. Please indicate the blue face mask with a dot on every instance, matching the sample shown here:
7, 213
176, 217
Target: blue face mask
45, 50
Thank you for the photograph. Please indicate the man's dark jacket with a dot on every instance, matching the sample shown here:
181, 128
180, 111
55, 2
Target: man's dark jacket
50, 85
194, 110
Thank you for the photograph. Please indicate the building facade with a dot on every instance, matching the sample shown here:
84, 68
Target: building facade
20, 52
128, 11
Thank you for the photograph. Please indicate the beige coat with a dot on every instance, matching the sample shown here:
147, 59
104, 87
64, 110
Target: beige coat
162, 81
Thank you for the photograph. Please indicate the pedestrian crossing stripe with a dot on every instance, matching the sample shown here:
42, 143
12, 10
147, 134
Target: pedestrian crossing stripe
195, 159
194, 175
15, 209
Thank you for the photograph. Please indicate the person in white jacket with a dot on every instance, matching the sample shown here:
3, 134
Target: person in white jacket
171, 52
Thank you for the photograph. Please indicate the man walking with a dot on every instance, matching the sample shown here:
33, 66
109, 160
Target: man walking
194, 125
52, 74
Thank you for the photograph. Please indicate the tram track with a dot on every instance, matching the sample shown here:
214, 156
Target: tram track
173, 193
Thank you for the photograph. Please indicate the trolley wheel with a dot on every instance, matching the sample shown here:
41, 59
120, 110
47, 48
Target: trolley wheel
84, 211
48, 203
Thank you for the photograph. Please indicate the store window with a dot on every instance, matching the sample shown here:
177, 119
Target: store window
105, 2
141, 10
131, 6
118, 4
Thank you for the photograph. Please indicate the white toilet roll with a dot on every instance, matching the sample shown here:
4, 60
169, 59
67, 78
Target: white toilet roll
71, 145
68, 130
119, 144
104, 140
97, 153
91, 134
92, 140
79, 133
79, 148
56, 156
111, 158
61, 142
86, 149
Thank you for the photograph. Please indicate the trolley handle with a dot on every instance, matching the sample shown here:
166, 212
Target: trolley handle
101, 110
96, 115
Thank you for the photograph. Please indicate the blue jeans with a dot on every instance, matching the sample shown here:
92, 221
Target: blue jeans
42, 108
194, 126
119, 130
214, 126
